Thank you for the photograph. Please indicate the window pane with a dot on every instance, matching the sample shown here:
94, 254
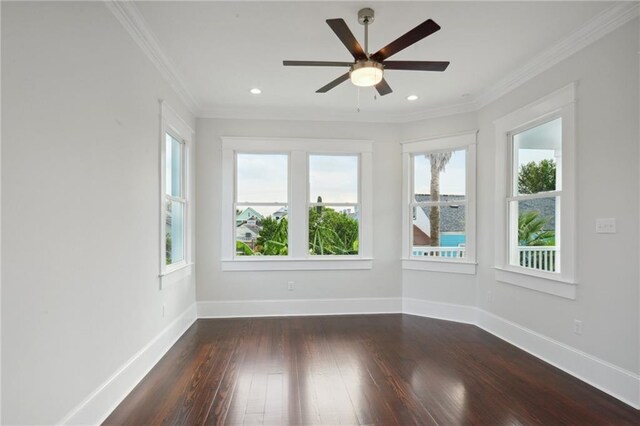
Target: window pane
333, 178
333, 230
533, 241
439, 231
173, 170
536, 158
440, 175
262, 231
262, 178
174, 232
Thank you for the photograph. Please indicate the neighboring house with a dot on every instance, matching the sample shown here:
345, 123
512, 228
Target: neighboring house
282, 212
246, 214
452, 220
248, 234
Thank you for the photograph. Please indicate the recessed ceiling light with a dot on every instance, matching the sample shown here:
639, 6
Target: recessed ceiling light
412, 97
255, 91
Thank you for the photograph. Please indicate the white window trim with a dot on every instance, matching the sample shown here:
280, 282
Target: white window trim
560, 103
298, 181
464, 140
172, 123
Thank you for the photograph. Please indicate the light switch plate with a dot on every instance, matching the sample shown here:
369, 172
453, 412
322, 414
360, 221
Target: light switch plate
606, 226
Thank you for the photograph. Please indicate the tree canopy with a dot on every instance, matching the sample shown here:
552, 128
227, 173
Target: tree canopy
537, 177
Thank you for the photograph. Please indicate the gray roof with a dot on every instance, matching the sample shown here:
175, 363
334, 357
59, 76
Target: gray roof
451, 217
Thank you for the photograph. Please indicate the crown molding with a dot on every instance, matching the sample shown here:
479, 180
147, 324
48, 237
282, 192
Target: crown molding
607, 21
129, 16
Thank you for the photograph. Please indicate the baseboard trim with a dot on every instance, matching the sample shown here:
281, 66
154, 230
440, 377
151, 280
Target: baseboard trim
439, 310
298, 307
102, 401
611, 379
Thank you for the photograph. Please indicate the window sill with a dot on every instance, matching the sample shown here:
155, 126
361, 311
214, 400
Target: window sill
432, 265
555, 285
175, 275
296, 264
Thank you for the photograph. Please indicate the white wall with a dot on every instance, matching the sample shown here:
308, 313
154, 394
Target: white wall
80, 196
382, 281
608, 186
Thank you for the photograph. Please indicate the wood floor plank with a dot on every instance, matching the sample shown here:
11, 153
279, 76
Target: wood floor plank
368, 369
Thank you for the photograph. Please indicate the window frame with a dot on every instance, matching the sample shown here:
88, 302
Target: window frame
173, 125
299, 151
559, 104
453, 142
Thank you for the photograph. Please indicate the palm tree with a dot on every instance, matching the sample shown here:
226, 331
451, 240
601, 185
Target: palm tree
531, 230
438, 162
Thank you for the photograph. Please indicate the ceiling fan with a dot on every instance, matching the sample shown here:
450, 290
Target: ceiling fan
368, 69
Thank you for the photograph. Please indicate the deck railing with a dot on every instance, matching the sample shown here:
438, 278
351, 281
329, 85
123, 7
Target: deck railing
540, 258
438, 251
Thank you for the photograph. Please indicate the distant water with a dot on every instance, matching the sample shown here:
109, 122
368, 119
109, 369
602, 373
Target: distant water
452, 240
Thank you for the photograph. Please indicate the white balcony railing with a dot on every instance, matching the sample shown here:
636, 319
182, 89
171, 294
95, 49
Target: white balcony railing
438, 251
540, 258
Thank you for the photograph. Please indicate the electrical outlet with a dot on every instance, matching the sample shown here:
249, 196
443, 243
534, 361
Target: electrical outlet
606, 226
291, 286
577, 326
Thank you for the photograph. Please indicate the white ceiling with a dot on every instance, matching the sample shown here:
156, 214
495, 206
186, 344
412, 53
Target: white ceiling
222, 49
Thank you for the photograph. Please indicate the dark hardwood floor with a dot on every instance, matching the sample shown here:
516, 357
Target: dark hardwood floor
366, 369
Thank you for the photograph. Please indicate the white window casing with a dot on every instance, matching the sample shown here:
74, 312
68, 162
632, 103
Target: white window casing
172, 124
460, 141
559, 104
298, 151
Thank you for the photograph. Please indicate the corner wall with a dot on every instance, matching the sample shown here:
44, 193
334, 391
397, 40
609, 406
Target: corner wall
80, 220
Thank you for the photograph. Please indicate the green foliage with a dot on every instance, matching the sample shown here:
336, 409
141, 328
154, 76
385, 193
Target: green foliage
243, 249
531, 230
168, 249
537, 177
273, 238
331, 232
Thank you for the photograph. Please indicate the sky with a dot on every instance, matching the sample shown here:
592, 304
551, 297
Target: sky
263, 178
452, 179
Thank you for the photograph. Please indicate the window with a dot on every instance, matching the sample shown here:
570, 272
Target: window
175, 223
261, 205
334, 209
296, 204
535, 189
535, 197
175, 201
439, 208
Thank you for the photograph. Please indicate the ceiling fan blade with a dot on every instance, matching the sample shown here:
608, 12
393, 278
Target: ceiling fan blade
344, 77
316, 64
416, 65
383, 88
423, 30
346, 37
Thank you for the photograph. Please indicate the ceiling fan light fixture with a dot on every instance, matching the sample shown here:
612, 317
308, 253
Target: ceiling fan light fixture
366, 73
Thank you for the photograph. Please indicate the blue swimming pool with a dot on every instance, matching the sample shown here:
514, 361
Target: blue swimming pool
452, 240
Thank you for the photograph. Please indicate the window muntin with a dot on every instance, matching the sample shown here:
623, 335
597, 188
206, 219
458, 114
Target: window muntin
175, 201
438, 205
261, 205
333, 211
534, 214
